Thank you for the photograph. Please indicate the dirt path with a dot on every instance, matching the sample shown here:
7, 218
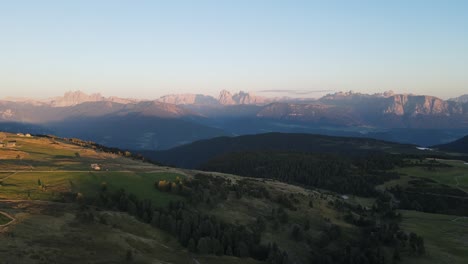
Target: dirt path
458, 184
13, 219
2, 179
456, 219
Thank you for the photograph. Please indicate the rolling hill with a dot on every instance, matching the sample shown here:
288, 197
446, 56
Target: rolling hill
195, 154
460, 146
56, 207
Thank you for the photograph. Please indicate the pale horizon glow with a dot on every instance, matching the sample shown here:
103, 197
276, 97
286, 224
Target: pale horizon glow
147, 49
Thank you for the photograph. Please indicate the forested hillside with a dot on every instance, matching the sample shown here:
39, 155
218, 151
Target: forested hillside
195, 154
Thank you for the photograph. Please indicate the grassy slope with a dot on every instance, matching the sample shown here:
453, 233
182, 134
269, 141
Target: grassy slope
445, 237
60, 169
62, 239
47, 232
247, 209
455, 176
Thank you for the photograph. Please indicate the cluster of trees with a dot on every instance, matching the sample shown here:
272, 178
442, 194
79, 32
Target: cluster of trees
206, 234
175, 186
357, 175
210, 190
199, 233
431, 198
380, 233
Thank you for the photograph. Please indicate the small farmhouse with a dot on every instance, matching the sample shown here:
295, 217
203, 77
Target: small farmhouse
95, 167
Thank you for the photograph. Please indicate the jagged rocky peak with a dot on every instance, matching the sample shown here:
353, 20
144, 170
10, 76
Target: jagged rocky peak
388, 93
188, 99
72, 98
404, 104
353, 95
460, 99
241, 98
225, 98
7, 114
343, 96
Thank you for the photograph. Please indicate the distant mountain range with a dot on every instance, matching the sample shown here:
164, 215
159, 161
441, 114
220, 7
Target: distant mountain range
417, 119
460, 99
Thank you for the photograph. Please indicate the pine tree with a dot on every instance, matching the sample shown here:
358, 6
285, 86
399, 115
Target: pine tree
204, 245
229, 251
191, 245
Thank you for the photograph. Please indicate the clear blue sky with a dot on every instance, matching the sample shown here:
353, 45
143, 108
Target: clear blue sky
149, 48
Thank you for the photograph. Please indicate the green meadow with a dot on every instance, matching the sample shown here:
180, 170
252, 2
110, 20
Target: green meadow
455, 176
49, 185
445, 236
44, 169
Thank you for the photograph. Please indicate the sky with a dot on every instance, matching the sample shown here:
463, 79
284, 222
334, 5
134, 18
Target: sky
145, 49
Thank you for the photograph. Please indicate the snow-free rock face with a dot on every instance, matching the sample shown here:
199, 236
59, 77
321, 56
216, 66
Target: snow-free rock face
389, 103
421, 105
460, 99
75, 98
241, 98
6, 114
188, 99
225, 98
248, 98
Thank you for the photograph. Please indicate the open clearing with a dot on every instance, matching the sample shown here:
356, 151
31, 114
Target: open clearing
455, 176
446, 240
25, 185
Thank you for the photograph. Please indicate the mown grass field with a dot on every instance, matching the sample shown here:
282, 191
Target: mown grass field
445, 237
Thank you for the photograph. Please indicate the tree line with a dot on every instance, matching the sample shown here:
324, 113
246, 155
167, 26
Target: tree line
357, 175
